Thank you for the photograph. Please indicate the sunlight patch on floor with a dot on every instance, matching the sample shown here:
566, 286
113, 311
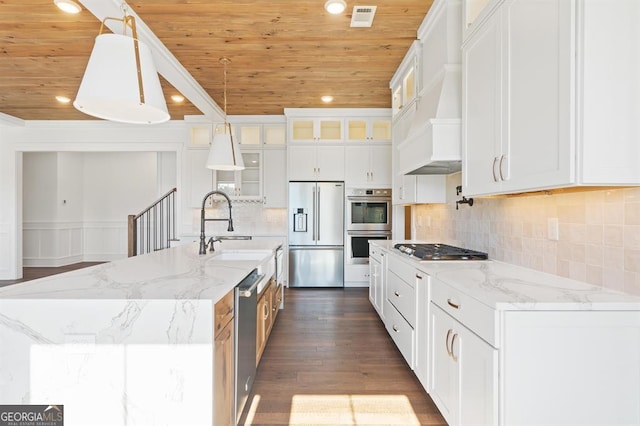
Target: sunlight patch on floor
352, 410
255, 401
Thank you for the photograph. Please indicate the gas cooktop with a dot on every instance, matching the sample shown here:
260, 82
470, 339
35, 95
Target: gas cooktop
439, 252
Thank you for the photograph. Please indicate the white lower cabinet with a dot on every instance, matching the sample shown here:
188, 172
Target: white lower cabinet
464, 374
483, 364
377, 279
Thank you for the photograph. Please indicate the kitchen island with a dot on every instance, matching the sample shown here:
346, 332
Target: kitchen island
125, 342
497, 344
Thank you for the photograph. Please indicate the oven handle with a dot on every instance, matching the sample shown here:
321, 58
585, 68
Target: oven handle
369, 234
371, 199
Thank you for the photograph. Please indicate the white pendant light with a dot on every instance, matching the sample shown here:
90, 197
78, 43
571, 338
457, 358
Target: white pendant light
224, 153
121, 82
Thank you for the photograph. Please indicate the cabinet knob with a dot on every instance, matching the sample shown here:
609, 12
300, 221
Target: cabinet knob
395, 328
396, 293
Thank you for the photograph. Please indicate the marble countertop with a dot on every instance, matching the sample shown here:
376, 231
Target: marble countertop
178, 273
504, 287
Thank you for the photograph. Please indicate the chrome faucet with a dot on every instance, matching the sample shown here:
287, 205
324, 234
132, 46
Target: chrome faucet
203, 245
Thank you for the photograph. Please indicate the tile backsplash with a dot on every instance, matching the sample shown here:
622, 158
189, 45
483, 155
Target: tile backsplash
248, 219
598, 239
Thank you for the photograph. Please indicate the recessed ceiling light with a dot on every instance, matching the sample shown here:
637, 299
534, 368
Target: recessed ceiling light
63, 99
335, 6
177, 98
327, 98
68, 6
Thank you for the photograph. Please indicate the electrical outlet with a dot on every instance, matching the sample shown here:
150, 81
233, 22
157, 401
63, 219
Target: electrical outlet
553, 229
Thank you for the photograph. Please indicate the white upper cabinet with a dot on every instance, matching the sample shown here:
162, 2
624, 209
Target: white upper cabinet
405, 82
308, 129
275, 178
368, 166
366, 129
546, 98
242, 184
312, 163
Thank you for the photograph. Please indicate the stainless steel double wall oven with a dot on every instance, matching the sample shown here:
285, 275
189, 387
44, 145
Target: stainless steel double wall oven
368, 217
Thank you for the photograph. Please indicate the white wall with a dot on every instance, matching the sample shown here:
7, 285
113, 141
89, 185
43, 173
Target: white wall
73, 138
76, 204
10, 207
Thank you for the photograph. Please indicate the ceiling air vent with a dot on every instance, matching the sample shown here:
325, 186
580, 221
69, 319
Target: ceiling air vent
362, 16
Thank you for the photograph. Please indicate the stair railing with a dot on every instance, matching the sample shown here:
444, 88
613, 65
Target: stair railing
153, 228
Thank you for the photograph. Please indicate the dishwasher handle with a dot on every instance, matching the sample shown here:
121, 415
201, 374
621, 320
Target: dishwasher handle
246, 292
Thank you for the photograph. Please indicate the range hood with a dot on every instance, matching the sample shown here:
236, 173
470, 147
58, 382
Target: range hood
433, 141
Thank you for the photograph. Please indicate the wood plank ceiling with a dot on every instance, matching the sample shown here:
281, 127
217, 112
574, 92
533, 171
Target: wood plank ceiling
284, 53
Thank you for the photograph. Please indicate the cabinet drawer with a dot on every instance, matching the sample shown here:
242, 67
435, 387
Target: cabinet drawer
375, 253
402, 296
404, 270
401, 332
223, 312
476, 316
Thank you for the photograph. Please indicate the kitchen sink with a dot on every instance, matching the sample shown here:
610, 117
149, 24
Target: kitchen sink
241, 254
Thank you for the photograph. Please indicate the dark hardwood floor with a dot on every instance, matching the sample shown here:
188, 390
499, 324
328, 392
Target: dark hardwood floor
329, 360
32, 273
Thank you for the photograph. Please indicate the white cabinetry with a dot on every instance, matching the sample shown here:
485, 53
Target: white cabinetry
505, 341
316, 162
405, 82
368, 166
365, 129
464, 373
417, 189
308, 129
545, 96
377, 274
275, 178
242, 184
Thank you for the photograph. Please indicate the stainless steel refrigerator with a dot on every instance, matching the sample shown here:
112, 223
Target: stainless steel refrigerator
316, 234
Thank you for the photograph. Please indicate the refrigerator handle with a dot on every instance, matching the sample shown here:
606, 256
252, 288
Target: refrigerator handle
313, 235
318, 216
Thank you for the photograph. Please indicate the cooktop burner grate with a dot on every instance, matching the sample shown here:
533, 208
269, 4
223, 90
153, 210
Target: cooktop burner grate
440, 252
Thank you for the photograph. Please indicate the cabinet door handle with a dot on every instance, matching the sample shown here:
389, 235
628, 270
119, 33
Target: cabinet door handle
493, 169
395, 328
446, 341
500, 167
266, 311
453, 355
418, 276
396, 293
453, 305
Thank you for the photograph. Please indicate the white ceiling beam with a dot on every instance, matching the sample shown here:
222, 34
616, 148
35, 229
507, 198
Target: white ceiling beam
11, 120
167, 64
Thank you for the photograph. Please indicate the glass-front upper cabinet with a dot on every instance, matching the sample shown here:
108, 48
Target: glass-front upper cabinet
404, 84
316, 130
368, 129
242, 184
271, 131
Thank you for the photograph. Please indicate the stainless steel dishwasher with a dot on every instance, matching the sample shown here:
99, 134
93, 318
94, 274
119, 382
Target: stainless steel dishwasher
246, 304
